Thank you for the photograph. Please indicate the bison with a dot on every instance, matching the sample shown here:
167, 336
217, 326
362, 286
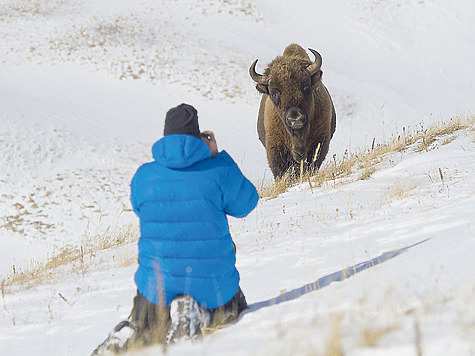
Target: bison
296, 119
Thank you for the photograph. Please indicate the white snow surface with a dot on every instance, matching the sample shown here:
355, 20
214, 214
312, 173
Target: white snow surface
84, 88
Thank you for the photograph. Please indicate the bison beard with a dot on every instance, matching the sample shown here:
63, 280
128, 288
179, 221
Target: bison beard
296, 119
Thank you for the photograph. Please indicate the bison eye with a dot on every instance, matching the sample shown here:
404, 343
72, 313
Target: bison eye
275, 95
306, 88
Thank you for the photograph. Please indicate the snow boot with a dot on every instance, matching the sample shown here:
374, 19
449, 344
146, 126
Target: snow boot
118, 340
187, 319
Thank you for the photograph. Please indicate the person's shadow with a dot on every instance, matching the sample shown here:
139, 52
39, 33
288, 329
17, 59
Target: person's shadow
326, 280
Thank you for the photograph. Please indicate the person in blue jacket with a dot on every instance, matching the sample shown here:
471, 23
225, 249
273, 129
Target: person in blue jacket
187, 277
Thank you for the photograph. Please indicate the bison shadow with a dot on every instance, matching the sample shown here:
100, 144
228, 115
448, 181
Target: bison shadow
328, 279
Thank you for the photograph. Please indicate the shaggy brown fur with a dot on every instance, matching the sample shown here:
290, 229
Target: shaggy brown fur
296, 111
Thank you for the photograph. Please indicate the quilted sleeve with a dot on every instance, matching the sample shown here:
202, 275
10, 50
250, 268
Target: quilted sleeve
239, 194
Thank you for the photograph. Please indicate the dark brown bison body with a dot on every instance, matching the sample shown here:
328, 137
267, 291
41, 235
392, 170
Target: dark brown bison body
296, 114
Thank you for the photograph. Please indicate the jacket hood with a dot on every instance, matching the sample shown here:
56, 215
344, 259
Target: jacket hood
179, 151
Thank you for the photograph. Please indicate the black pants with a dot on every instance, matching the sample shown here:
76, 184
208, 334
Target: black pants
153, 321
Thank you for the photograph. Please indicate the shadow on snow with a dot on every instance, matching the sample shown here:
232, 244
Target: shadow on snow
327, 280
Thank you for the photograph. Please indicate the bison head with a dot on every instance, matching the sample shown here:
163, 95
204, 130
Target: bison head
290, 82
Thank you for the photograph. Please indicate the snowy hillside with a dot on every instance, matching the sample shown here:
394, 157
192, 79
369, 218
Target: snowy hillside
84, 88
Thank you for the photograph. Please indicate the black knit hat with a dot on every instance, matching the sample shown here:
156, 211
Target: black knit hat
182, 119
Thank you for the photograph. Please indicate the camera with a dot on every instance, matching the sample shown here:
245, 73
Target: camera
205, 136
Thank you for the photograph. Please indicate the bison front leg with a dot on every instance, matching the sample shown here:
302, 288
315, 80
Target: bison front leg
280, 160
316, 155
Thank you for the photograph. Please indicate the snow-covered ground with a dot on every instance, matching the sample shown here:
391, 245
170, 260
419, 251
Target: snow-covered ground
84, 88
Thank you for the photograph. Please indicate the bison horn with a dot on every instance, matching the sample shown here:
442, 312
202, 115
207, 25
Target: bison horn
316, 65
258, 78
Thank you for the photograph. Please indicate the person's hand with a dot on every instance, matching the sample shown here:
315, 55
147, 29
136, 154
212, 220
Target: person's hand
212, 145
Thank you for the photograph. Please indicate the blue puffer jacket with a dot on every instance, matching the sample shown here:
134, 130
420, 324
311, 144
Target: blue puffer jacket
182, 199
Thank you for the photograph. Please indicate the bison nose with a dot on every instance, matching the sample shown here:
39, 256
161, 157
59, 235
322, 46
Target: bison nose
296, 120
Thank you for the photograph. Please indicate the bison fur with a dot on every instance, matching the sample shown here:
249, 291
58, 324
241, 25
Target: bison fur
296, 118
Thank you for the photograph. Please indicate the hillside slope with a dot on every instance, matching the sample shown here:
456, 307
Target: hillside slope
400, 243
84, 88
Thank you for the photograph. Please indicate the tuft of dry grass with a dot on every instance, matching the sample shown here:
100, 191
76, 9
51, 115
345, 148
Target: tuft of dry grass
367, 171
333, 344
71, 260
400, 189
365, 161
369, 337
278, 187
417, 339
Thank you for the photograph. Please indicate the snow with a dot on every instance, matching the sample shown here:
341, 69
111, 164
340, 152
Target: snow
84, 88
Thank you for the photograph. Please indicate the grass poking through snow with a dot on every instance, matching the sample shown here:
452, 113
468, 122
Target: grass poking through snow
360, 166
364, 162
77, 260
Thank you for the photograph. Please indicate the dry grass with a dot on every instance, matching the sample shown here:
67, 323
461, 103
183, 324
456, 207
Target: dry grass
339, 171
29, 7
417, 338
333, 344
277, 188
82, 258
369, 337
74, 260
367, 171
399, 190
139, 45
